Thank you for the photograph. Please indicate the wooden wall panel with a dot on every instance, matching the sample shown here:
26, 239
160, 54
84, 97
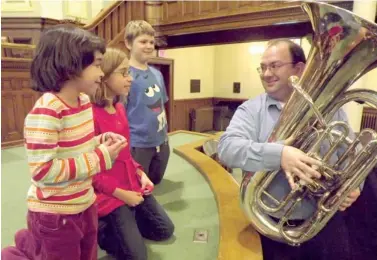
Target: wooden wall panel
183, 11
244, 4
207, 7
182, 108
182, 18
225, 5
173, 10
25, 30
17, 99
188, 8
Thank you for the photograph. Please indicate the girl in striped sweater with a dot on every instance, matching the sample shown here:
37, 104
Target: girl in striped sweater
127, 210
62, 149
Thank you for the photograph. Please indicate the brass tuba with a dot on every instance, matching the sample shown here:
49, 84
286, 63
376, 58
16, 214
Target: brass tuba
344, 47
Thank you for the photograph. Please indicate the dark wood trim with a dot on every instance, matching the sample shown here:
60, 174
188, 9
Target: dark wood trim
15, 63
231, 25
296, 30
216, 100
17, 99
192, 99
235, 21
27, 22
169, 82
229, 99
26, 28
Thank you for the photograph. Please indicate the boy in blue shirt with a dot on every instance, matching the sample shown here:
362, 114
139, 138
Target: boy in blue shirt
145, 104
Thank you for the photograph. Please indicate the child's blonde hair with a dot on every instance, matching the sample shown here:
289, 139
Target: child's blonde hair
112, 59
137, 28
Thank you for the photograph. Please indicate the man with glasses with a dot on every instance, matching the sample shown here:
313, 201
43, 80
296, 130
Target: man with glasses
245, 145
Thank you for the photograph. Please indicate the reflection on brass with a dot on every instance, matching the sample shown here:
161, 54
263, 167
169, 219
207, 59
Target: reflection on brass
344, 48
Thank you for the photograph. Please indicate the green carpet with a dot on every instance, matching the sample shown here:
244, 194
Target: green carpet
184, 194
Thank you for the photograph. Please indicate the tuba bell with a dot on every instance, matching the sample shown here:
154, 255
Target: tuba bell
344, 47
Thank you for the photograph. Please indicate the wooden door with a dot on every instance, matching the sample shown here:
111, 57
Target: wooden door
166, 66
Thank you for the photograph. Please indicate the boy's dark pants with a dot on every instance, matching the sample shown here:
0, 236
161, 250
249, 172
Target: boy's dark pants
153, 160
121, 232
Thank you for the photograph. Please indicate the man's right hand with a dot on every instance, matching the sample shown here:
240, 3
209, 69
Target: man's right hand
296, 163
114, 147
130, 198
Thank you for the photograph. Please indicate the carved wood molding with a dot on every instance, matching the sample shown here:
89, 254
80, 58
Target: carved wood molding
153, 12
265, 33
15, 64
28, 29
284, 15
17, 98
15, 84
27, 22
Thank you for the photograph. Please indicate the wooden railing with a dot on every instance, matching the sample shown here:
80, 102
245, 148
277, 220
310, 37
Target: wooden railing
111, 21
16, 51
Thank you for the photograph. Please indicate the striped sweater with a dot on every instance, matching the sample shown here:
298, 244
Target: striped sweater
63, 154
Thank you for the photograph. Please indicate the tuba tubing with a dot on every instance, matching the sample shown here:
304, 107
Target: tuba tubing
344, 48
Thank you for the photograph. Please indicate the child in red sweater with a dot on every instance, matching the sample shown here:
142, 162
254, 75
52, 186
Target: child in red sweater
127, 209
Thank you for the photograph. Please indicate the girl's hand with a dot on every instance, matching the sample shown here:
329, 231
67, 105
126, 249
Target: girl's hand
146, 184
115, 137
130, 198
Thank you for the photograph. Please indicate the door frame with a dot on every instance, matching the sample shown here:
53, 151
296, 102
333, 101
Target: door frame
168, 75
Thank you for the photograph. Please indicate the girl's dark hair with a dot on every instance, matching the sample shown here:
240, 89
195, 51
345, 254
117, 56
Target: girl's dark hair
62, 53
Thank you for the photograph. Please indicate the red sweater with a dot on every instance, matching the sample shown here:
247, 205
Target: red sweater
123, 174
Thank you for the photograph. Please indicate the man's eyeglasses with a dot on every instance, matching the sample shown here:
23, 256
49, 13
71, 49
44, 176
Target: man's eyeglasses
273, 67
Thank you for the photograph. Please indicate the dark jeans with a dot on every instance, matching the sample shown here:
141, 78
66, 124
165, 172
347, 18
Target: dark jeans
153, 161
121, 232
361, 219
332, 242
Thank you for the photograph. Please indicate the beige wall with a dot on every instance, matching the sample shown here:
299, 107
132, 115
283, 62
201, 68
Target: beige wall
192, 63
217, 67
234, 63
85, 10
25, 8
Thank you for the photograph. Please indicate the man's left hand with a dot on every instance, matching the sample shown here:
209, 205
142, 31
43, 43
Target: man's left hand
351, 198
